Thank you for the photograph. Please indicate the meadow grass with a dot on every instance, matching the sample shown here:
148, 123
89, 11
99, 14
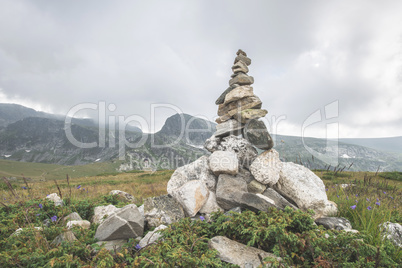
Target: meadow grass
366, 199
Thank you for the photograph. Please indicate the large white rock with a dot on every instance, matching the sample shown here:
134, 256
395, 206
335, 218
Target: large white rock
197, 170
301, 185
125, 223
267, 167
102, 212
211, 205
192, 196
152, 236
392, 231
55, 198
236, 253
224, 162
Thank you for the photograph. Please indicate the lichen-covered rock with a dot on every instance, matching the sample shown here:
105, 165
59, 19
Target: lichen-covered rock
246, 153
123, 196
256, 187
197, 170
266, 167
228, 127
162, 210
393, 232
102, 212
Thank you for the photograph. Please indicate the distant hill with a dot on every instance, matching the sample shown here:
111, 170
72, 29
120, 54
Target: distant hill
360, 158
391, 144
11, 113
32, 136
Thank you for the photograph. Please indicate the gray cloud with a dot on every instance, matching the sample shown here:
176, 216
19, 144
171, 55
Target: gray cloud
55, 55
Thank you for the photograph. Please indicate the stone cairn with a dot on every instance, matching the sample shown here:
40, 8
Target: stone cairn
235, 175
239, 109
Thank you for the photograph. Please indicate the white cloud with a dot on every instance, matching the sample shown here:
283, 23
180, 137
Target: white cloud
55, 55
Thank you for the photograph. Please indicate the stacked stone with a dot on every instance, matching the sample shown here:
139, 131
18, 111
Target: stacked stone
239, 109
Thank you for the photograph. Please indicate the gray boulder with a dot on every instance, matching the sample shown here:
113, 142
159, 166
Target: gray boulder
229, 191
256, 202
72, 217
102, 212
113, 244
152, 237
162, 210
197, 170
235, 106
393, 232
66, 236
334, 223
224, 162
125, 223
83, 224
266, 167
257, 134
236, 253
278, 199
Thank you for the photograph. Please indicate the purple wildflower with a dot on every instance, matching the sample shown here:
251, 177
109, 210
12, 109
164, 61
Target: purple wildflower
23, 187
79, 186
385, 192
137, 247
378, 200
353, 207
356, 195
37, 215
40, 206
356, 201
202, 218
54, 218
377, 203
337, 196
326, 189
369, 208
391, 197
368, 200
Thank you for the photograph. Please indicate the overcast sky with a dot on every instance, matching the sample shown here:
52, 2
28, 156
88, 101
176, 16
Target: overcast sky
306, 55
